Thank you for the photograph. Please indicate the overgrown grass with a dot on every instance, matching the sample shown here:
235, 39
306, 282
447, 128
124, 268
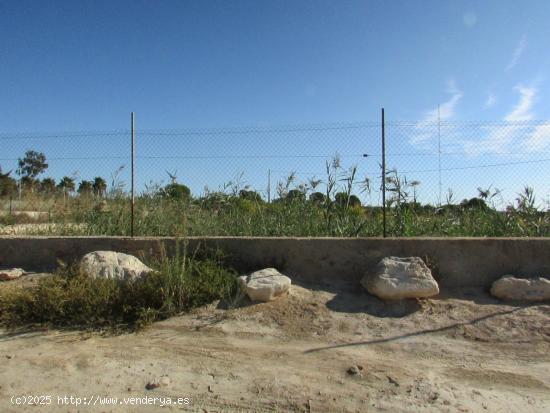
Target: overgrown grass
229, 213
73, 299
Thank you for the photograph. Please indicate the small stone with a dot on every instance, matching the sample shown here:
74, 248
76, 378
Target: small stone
392, 380
165, 381
11, 274
354, 371
152, 385
210, 389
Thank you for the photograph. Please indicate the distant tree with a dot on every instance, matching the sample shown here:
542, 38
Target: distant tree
85, 188
47, 186
33, 164
250, 195
295, 195
99, 186
317, 198
66, 185
29, 167
343, 199
474, 203
8, 185
176, 191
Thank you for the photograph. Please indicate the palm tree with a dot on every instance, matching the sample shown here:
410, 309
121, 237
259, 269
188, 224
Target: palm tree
47, 186
7, 184
66, 185
99, 186
85, 187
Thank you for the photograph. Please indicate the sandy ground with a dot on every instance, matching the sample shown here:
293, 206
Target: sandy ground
460, 352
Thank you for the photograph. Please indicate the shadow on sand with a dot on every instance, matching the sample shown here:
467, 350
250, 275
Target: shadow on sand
417, 333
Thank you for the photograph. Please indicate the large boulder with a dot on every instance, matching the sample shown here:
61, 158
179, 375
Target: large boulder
11, 274
397, 278
511, 288
265, 285
111, 264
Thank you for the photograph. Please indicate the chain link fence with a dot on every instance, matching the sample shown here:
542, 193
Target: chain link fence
442, 178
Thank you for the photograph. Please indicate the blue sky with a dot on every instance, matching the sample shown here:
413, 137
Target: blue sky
84, 65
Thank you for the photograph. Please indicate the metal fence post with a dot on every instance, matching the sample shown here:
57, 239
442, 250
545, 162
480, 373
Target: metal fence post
269, 186
383, 175
133, 174
439, 150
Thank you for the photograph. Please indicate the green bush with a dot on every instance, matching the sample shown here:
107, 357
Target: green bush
344, 200
317, 198
295, 195
176, 191
73, 299
474, 203
250, 195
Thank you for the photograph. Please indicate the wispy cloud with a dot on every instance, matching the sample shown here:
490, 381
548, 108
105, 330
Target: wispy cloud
490, 101
445, 111
522, 110
514, 134
539, 139
499, 138
518, 51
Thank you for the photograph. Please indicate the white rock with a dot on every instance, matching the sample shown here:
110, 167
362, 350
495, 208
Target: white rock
11, 274
165, 381
111, 264
265, 285
512, 288
397, 278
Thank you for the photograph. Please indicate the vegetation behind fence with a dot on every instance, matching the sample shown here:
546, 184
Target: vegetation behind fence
448, 179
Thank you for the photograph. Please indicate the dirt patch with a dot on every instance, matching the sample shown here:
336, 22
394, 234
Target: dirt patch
302, 313
463, 351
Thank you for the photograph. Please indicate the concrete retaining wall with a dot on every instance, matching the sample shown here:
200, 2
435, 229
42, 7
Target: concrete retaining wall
460, 261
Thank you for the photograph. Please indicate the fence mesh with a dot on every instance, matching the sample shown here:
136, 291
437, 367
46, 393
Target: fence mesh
442, 178
455, 161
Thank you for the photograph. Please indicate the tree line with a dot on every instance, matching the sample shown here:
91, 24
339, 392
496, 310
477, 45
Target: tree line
34, 164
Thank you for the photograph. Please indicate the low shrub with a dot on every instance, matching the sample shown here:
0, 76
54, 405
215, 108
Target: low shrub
73, 299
